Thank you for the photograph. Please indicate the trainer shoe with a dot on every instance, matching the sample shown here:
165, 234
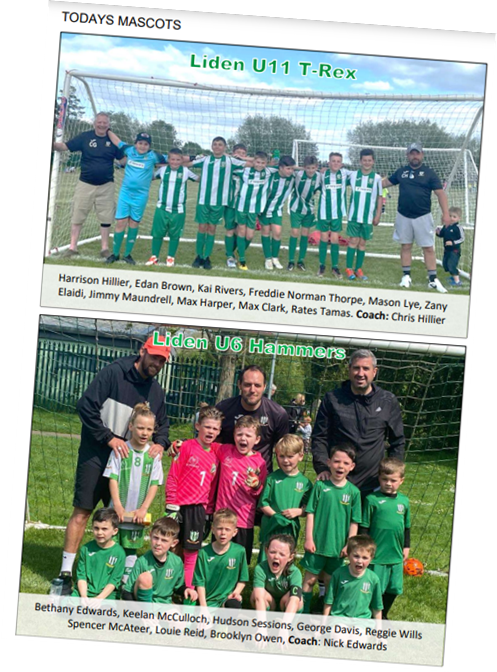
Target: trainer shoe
301, 266
436, 284
350, 273
453, 283
242, 265
207, 264
335, 271
152, 261
359, 274
290, 266
66, 583
231, 262
321, 271
170, 262
198, 262
112, 259
105, 254
71, 253
277, 264
406, 281
129, 260
268, 264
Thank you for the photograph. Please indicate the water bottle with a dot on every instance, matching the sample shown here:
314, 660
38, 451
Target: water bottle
276, 154
56, 587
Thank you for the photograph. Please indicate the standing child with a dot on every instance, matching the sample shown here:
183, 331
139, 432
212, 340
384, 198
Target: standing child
158, 574
133, 196
241, 478
213, 198
453, 236
277, 582
354, 590
331, 211
305, 431
101, 561
285, 493
169, 216
387, 519
307, 182
279, 189
133, 483
221, 571
333, 515
230, 237
191, 486
251, 201
364, 212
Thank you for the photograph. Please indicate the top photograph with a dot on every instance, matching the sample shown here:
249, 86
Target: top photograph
261, 184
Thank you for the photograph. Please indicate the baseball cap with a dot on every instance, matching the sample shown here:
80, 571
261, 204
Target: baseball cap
144, 136
414, 147
154, 349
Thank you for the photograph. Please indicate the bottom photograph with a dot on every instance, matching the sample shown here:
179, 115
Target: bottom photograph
242, 490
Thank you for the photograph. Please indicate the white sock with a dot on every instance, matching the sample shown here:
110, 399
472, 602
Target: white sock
67, 561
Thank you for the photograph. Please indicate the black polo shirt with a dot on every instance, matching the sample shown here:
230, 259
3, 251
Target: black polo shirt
415, 187
97, 157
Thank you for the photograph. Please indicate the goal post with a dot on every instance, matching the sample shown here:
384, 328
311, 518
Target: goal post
190, 115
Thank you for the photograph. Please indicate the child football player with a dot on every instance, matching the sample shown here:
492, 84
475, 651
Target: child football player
169, 216
191, 486
364, 212
158, 574
133, 195
387, 519
133, 482
307, 182
333, 515
221, 571
277, 582
251, 201
280, 187
331, 211
453, 236
101, 561
230, 240
354, 590
213, 198
242, 472
285, 494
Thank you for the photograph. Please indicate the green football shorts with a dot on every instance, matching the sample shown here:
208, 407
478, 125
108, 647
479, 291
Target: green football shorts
315, 564
298, 220
324, 225
209, 214
391, 577
167, 224
356, 230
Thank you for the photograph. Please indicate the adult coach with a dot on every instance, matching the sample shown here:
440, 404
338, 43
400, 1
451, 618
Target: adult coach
414, 221
105, 409
95, 188
251, 401
363, 414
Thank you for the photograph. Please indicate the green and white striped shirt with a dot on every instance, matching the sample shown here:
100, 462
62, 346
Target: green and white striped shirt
364, 196
279, 190
215, 179
302, 199
172, 190
254, 189
332, 203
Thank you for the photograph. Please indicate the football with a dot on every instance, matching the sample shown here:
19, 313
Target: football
413, 567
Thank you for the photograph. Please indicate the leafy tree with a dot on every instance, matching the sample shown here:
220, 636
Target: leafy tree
124, 126
192, 148
164, 135
270, 133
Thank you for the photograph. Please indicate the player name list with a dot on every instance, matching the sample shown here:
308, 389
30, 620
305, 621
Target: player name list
240, 630
315, 305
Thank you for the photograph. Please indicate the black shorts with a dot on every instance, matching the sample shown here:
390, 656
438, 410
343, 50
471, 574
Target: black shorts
191, 533
90, 486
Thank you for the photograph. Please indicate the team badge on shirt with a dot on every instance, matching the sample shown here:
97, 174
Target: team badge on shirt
111, 561
231, 563
169, 574
400, 508
299, 486
263, 419
345, 500
366, 587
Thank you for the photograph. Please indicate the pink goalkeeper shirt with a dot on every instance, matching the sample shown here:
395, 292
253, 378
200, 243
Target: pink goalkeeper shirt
193, 475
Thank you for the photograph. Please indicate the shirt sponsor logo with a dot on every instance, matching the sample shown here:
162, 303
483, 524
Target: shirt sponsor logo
93, 143
135, 164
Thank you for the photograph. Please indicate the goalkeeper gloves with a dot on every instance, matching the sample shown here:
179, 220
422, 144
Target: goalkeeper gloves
172, 511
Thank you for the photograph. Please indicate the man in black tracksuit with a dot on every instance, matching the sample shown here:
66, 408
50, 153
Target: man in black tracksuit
363, 414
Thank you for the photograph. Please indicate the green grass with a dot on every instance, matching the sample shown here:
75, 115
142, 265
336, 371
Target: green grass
382, 273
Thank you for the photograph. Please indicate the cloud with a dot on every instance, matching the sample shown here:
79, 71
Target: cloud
404, 83
372, 86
